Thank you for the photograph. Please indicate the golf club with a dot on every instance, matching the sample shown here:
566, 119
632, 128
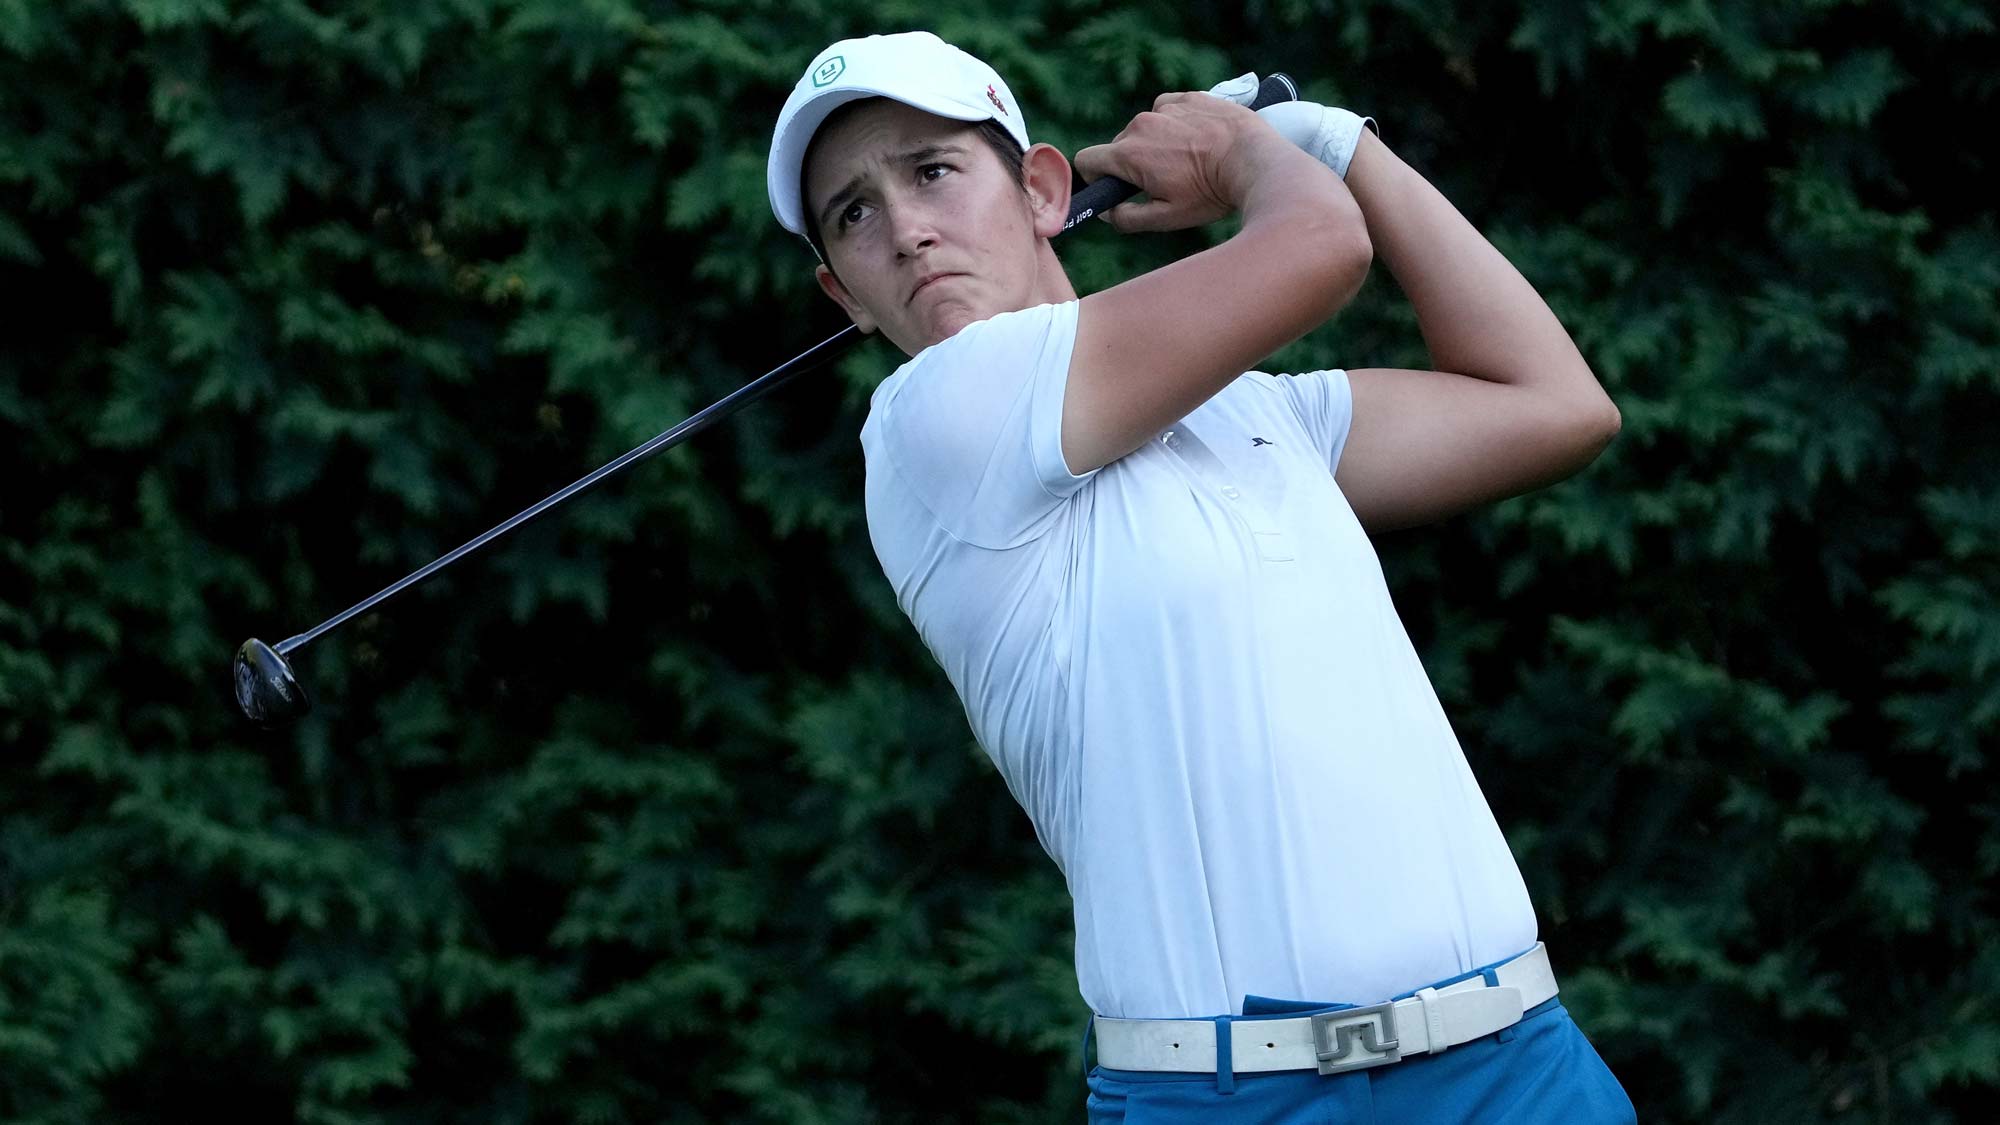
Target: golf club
268, 690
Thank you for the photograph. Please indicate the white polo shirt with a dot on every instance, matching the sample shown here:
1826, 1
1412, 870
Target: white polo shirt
1187, 668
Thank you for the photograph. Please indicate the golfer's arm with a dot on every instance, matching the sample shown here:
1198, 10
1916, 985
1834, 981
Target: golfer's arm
1152, 349
1511, 405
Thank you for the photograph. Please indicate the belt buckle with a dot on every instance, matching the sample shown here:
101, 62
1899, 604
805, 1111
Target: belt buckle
1356, 1038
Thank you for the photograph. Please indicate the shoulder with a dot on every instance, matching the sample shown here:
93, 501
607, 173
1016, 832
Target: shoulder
970, 427
1283, 390
973, 344
1308, 391
1281, 382
1317, 405
999, 339
987, 355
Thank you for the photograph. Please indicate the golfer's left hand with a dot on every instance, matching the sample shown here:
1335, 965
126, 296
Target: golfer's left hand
1328, 134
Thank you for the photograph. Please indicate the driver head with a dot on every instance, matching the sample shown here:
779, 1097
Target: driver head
266, 690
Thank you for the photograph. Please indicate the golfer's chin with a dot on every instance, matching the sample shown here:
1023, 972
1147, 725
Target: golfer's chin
943, 320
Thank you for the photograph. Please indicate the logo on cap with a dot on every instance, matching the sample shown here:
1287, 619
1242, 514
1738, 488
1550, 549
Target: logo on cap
993, 96
829, 70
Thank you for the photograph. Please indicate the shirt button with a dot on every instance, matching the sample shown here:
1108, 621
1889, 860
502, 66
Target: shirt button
1232, 493
1172, 439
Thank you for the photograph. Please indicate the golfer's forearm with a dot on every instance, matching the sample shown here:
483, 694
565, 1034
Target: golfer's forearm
1321, 231
1478, 315
1298, 212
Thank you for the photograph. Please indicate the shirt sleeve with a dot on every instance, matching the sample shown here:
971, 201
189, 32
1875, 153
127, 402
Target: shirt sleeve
973, 425
1324, 404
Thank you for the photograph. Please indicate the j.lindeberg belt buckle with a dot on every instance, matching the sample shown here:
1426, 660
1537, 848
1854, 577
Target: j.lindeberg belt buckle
1356, 1038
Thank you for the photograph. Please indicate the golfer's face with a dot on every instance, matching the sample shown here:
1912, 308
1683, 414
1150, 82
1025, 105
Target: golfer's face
923, 226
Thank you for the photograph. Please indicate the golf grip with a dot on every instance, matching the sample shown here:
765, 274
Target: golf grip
1093, 199
1102, 195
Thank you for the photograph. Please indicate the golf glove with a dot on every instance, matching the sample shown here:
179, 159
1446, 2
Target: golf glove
1327, 134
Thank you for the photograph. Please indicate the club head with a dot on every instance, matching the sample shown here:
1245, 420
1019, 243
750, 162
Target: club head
267, 691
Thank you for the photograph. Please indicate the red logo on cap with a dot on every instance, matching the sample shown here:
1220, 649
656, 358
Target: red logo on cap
993, 96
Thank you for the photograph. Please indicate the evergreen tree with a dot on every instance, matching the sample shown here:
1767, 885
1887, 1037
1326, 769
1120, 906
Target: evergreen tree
662, 812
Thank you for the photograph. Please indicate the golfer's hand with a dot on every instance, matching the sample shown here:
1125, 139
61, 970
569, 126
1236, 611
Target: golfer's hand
1195, 156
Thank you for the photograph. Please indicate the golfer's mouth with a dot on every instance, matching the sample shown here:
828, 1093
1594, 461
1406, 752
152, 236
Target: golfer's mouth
929, 280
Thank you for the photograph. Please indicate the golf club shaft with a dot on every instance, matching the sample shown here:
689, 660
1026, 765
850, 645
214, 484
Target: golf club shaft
819, 355
1099, 196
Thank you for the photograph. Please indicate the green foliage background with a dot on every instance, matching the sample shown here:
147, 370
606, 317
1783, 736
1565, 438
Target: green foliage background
662, 812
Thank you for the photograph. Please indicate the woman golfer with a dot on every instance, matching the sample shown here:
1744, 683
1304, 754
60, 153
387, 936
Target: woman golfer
1144, 568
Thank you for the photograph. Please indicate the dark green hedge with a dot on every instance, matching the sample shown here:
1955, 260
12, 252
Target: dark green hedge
661, 812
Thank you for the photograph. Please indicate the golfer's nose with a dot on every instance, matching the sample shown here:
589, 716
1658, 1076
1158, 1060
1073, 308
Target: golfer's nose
913, 228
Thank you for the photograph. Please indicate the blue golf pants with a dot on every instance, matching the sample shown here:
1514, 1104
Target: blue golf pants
1541, 1070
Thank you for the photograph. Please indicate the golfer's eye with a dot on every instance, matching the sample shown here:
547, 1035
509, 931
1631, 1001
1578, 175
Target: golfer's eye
853, 214
925, 173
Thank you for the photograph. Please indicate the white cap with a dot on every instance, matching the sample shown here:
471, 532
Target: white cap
915, 68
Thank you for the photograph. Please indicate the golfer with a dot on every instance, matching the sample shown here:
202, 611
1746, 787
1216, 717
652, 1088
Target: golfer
1145, 568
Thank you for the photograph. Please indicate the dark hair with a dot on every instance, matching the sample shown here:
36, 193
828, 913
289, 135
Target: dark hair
996, 136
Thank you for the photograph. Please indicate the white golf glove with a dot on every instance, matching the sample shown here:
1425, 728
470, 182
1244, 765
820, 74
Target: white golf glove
1326, 133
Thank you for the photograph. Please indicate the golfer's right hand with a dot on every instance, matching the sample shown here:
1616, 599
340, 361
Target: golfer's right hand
1196, 156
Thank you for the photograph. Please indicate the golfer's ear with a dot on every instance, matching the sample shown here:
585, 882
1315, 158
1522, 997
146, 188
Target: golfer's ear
831, 286
1046, 176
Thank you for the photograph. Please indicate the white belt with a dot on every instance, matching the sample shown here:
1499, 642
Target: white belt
1332, 1042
